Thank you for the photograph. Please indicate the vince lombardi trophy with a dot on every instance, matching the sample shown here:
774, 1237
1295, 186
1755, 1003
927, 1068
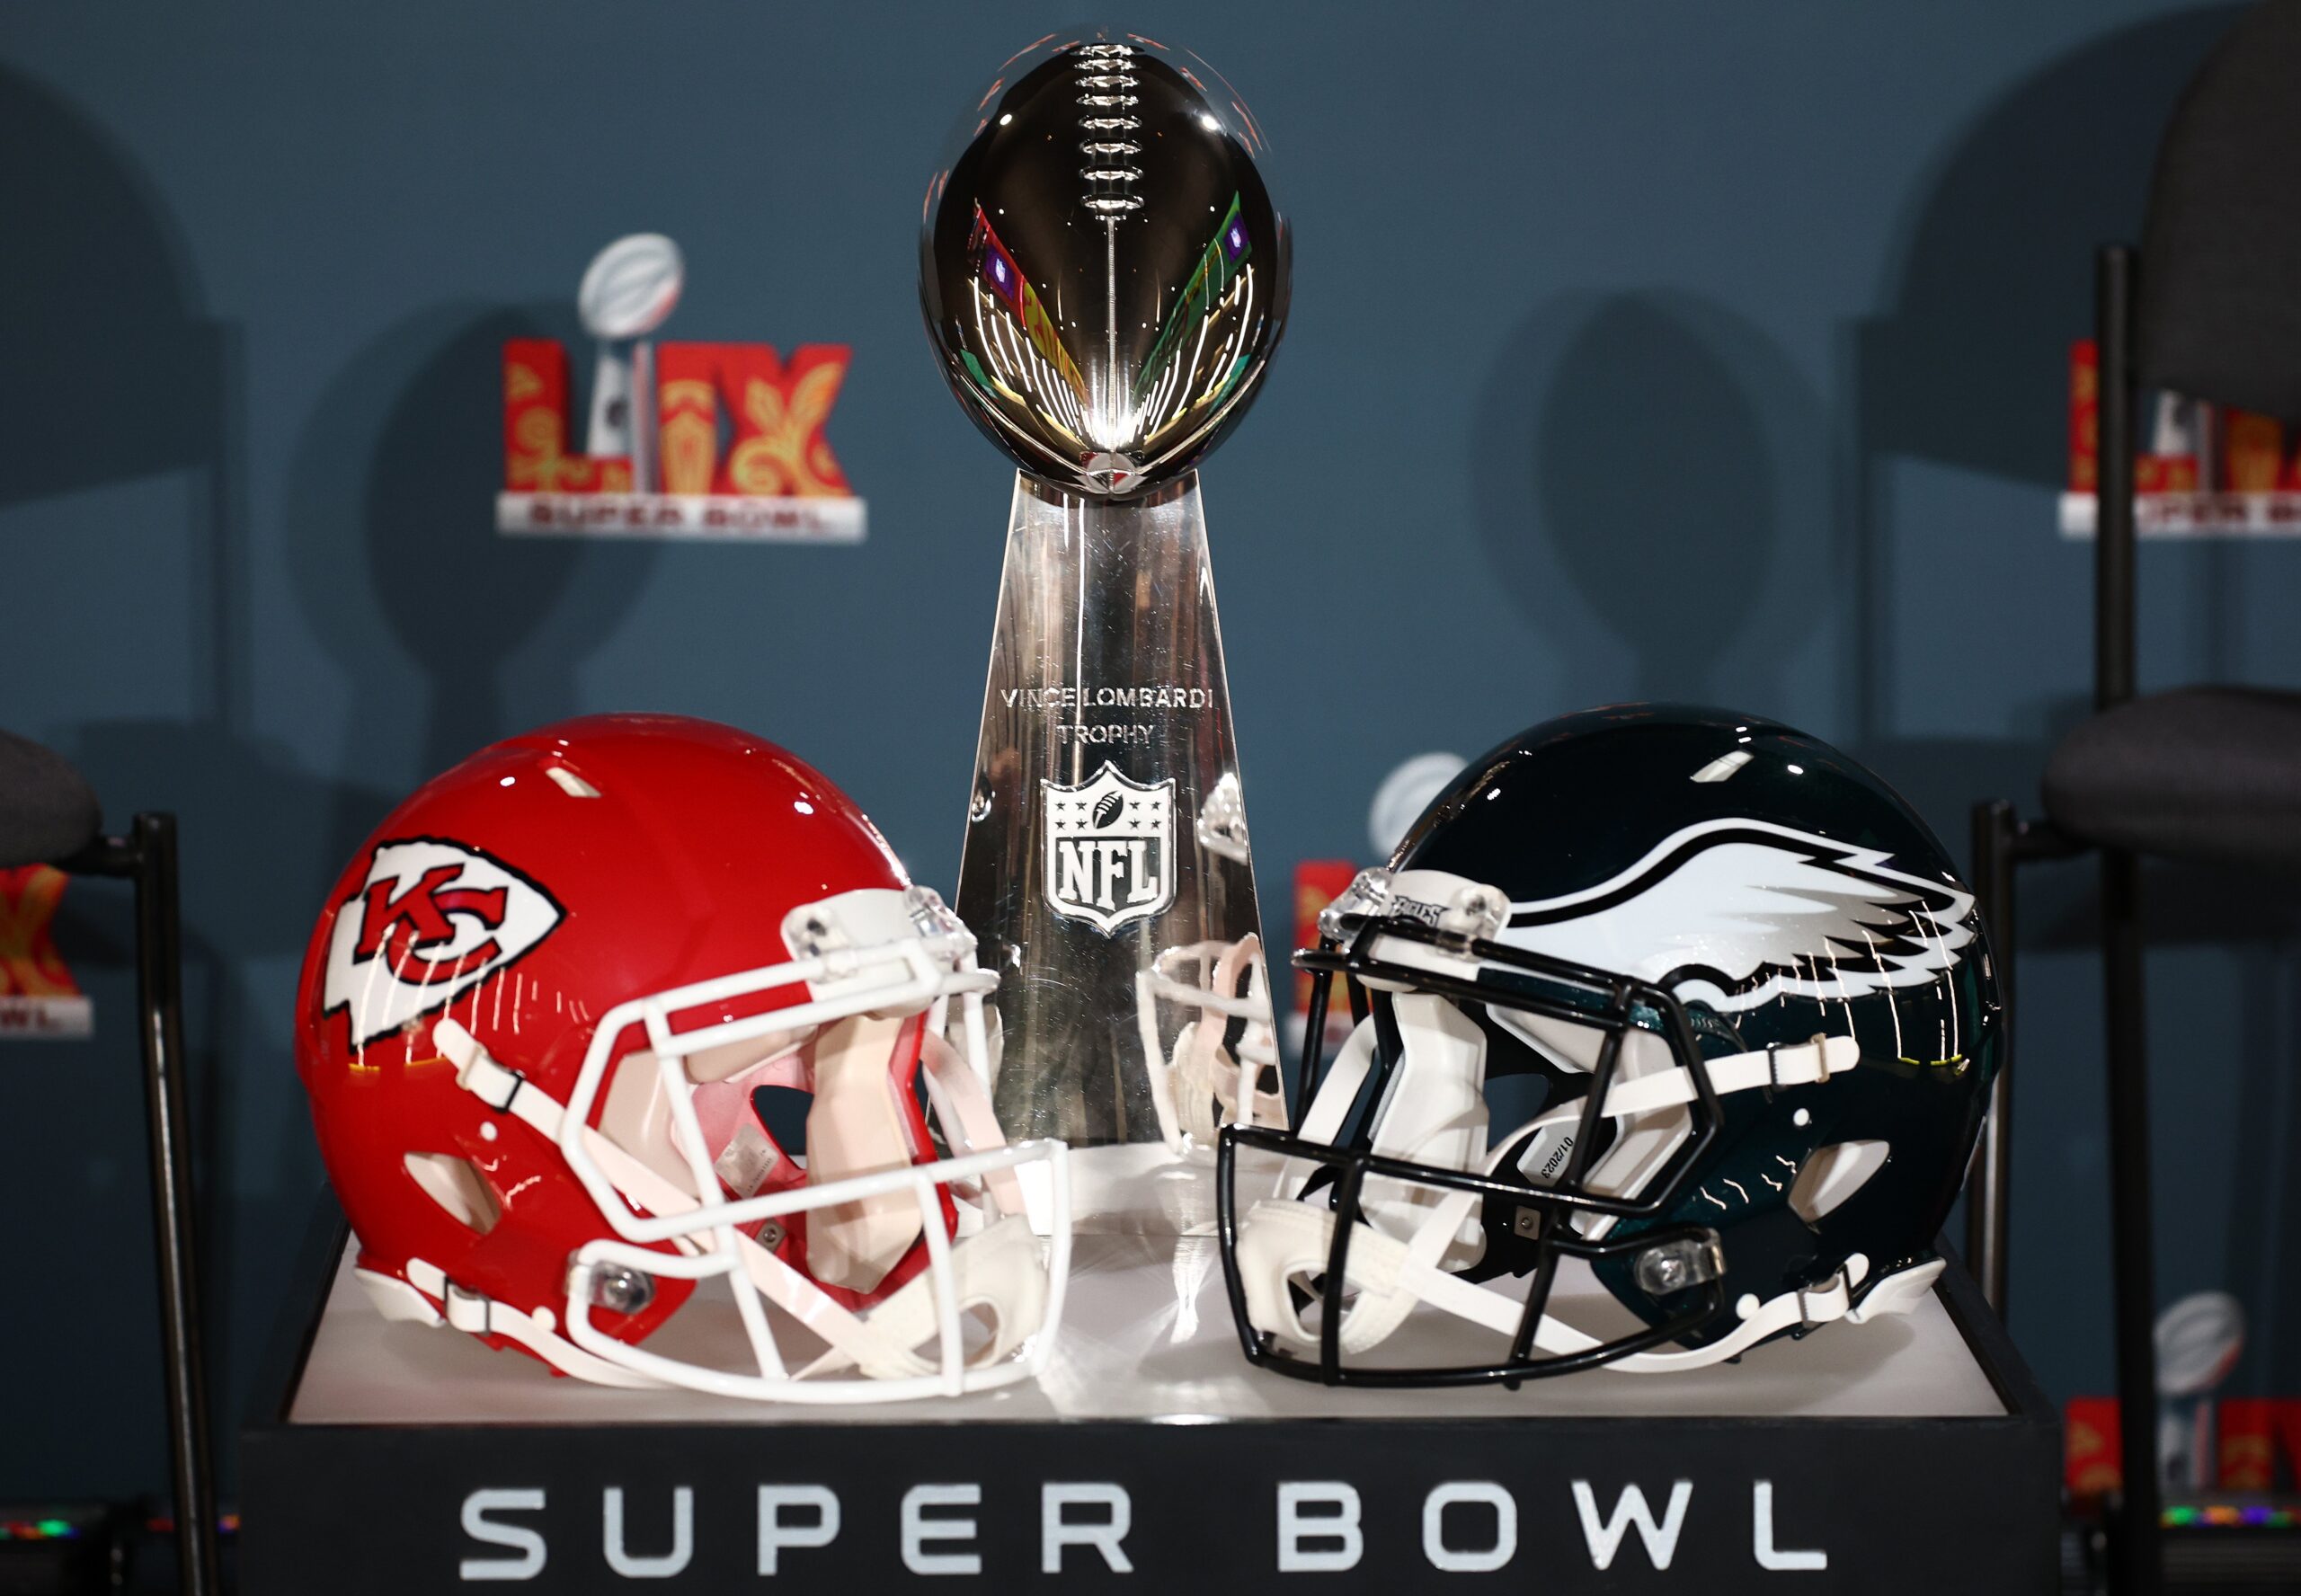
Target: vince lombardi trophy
1104, 277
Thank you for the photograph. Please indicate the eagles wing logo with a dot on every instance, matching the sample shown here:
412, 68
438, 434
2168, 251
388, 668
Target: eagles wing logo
1735, 913
433, 919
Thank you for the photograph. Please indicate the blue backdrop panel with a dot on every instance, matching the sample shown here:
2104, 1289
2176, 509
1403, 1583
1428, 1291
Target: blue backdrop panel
1657, 348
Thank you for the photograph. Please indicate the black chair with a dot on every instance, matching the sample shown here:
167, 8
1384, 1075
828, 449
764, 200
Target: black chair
2211, 309
48, 816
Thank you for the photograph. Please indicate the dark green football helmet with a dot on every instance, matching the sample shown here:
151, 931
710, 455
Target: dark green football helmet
1684, 996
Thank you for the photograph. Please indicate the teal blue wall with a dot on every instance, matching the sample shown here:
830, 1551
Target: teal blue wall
1656, 347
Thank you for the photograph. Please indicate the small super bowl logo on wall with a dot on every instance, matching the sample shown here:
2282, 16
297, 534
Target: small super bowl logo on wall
1110, 848
652, 465
37, 996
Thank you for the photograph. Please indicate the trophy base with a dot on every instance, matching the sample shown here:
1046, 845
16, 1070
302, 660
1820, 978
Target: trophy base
1146, 1188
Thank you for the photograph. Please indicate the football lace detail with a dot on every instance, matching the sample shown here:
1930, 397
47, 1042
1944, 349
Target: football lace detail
1105, 81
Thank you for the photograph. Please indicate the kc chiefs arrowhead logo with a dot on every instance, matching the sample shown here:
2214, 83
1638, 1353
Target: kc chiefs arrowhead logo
433, 918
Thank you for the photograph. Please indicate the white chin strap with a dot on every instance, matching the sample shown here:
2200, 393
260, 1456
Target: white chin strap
996, 1270
1282, 1240
996, 1274
1198, 1086
428, 1297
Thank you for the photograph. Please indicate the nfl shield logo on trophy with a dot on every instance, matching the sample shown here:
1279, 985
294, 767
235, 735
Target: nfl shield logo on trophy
1110, 848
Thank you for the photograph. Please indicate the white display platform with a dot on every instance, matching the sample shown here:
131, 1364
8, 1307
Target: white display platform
1147, 1335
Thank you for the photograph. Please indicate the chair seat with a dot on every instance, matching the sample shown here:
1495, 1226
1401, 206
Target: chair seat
48, 810
2208, 773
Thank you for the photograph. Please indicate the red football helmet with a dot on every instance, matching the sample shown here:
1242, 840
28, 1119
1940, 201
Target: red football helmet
560, 1020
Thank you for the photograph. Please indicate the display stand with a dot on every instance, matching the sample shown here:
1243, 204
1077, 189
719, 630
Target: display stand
1908, 1455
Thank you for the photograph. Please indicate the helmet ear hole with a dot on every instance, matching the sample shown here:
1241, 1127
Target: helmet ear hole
1834, 1174
459, 1189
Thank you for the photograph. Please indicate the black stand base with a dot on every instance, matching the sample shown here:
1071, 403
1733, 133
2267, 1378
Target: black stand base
1917, 1456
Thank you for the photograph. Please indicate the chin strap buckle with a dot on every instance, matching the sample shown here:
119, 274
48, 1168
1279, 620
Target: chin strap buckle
466, 1310
1819, 1305
476, 1070
1817, 1041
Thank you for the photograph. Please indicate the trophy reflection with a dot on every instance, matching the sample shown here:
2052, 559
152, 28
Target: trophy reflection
1105, 277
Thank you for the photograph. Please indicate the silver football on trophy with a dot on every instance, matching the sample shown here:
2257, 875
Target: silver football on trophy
1101, 269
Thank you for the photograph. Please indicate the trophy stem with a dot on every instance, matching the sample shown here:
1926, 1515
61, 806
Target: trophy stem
1105, 872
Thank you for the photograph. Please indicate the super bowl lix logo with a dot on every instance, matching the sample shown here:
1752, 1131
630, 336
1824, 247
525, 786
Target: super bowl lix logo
652, 465
1110, 848
431, 920
37, 996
